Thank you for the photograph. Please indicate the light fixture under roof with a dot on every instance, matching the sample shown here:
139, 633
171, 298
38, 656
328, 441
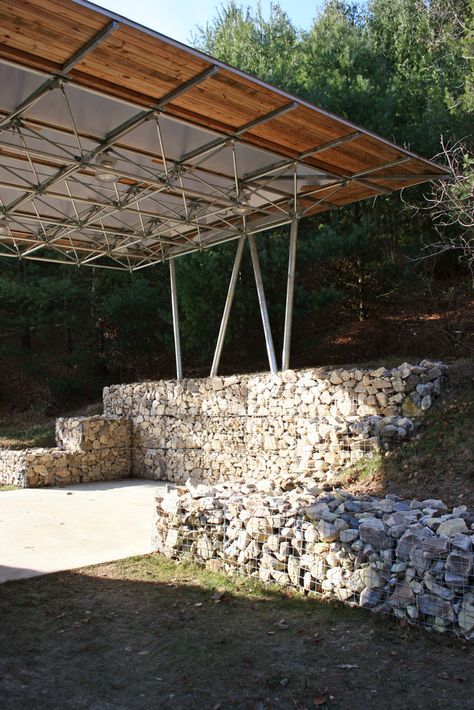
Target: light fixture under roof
4, 228
240, 208
241, 205
105, 167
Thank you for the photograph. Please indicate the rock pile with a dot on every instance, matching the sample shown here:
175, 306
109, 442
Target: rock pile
228, 428
410, 559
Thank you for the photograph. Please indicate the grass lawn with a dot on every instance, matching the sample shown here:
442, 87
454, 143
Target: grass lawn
149, 633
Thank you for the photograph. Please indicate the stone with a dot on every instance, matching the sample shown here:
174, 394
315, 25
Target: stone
372, 531
458, 567
173, 539
433, 586
433, 605
426, 402
316, 512
294, 570
348, 535
204, 548
436, 547
340, 524
414, 536
410, 409
356, 582
452, 527
462, 542
371, 577
370, 598
466, 617
327, 531
418, 559
398, 567
402, 596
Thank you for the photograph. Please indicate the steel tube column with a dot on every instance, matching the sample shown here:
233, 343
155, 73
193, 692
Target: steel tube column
289, 296
228, 306
263, 304
174, 308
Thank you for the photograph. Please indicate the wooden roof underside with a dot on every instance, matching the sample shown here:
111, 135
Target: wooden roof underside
136, 68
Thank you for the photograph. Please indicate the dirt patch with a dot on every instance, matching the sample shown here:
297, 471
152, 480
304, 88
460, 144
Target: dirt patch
148, 633
439, 462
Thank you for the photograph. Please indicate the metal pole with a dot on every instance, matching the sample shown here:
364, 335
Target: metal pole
263, 305
228, 306
289, 296
174, 308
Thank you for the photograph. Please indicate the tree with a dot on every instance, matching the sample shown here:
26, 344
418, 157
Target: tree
451, 204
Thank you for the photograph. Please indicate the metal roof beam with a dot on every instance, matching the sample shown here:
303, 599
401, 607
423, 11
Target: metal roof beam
218, 142
113, 136
330, 144
55, 80
306, 154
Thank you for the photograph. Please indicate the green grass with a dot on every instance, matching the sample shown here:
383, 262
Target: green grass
362, 470
22, 436
9, 488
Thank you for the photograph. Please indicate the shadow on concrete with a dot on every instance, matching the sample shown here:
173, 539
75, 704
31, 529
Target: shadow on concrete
15, 573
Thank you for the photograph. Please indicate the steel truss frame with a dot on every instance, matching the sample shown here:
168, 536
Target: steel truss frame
149, 215
53, 208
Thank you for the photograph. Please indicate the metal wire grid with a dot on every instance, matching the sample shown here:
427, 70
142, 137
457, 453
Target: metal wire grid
426, 581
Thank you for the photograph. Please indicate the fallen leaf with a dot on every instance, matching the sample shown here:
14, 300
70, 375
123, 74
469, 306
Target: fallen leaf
143, 653
348, 666
198, 604
319, 700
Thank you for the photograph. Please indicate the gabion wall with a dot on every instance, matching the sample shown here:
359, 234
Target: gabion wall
229, 428
413, 560
89, 449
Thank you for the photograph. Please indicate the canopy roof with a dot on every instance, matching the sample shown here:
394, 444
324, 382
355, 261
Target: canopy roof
121, 147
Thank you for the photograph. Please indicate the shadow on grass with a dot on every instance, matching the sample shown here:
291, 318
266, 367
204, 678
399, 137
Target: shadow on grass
148, 633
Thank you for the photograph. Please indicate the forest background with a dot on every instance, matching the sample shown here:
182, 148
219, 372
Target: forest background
378, 280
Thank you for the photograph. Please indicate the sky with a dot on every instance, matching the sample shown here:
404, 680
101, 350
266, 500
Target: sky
179, 18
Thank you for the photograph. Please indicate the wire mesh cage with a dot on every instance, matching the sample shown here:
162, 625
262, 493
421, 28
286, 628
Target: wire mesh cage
389, 561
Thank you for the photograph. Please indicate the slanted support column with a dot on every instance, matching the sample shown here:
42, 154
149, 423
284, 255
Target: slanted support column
228, 306
174, 308
290, 287
263, 305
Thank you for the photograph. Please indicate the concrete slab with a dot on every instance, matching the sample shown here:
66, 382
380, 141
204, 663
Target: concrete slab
45, 530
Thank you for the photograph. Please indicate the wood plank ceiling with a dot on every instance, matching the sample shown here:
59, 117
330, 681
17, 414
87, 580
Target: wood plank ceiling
229, 153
